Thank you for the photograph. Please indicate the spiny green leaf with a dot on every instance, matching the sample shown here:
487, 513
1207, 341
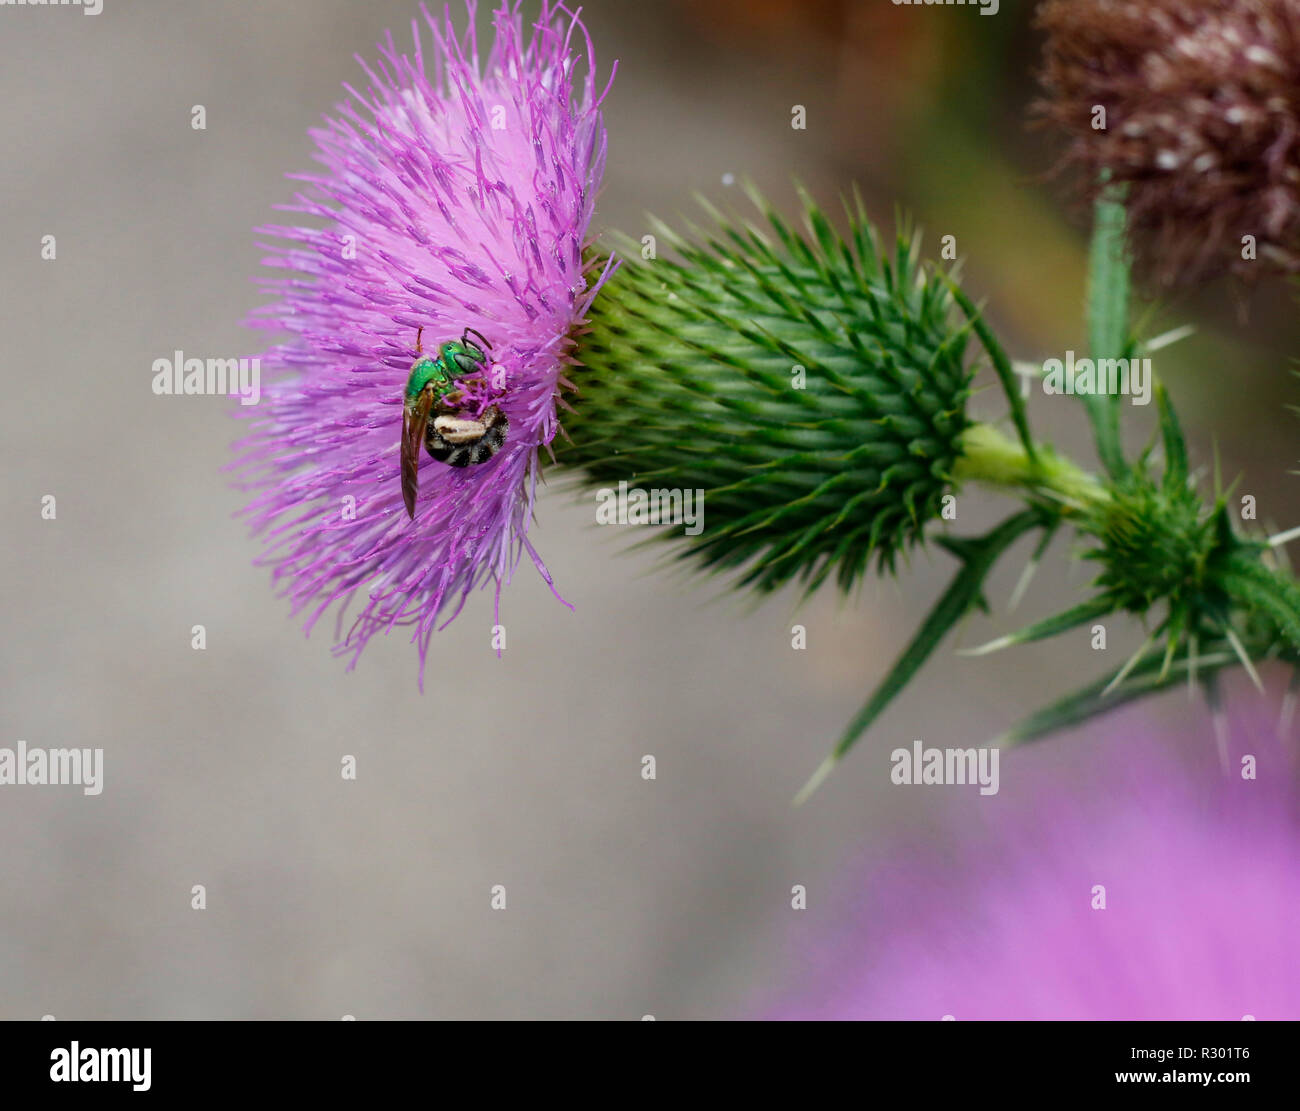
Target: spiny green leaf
1146, 678
1274, 594
1171, 432
1050, 626
978, 556
1002, 366
1108, 298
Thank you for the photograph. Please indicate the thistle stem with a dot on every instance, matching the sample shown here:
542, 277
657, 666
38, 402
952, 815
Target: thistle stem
993, 459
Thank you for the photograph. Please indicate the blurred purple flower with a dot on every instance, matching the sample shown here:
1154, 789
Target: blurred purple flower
1201, 878
456, 192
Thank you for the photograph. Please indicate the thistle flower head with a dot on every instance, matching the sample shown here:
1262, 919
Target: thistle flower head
812, 386
1201, 124
1153, 892
455, 192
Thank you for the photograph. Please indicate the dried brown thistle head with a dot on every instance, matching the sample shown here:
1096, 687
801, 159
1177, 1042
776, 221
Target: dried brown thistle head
1193, 106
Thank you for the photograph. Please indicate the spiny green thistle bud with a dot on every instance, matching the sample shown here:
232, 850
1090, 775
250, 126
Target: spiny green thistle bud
1164, 551
813, 388
1157, 542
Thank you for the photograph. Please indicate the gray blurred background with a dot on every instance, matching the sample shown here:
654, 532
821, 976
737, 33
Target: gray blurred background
222, 767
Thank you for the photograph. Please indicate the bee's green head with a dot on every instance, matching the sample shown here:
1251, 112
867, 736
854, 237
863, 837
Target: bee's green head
462, 357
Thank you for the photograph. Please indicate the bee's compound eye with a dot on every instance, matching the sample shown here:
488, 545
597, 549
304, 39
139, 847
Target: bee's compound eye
466, 362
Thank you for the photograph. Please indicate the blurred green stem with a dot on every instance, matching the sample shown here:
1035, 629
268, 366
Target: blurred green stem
993, 459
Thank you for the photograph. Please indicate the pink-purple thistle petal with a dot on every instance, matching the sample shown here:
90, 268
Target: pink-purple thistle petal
1148, 889
456, 192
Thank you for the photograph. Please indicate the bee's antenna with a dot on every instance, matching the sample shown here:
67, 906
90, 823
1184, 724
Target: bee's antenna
419, 341
475, 332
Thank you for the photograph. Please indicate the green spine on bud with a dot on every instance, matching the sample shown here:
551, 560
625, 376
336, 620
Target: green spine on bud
813, 388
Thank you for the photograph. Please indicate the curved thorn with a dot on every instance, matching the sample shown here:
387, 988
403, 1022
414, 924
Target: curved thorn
1133, 661
818, 777
1022, 585
1245, 659
992, 646
1284, 537
1218, 720
1289, 700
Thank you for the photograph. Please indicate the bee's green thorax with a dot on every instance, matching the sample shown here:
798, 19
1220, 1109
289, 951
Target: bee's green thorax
424, 371
453, 360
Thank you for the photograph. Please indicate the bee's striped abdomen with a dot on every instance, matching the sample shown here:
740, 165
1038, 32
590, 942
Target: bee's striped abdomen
461, 442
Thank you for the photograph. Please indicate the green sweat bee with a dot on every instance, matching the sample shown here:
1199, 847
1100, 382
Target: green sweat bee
450, 436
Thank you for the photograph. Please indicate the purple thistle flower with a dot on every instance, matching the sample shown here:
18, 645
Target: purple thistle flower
1201, 878
456, 192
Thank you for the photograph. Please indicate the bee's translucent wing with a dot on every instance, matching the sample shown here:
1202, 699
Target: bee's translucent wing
415, 418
